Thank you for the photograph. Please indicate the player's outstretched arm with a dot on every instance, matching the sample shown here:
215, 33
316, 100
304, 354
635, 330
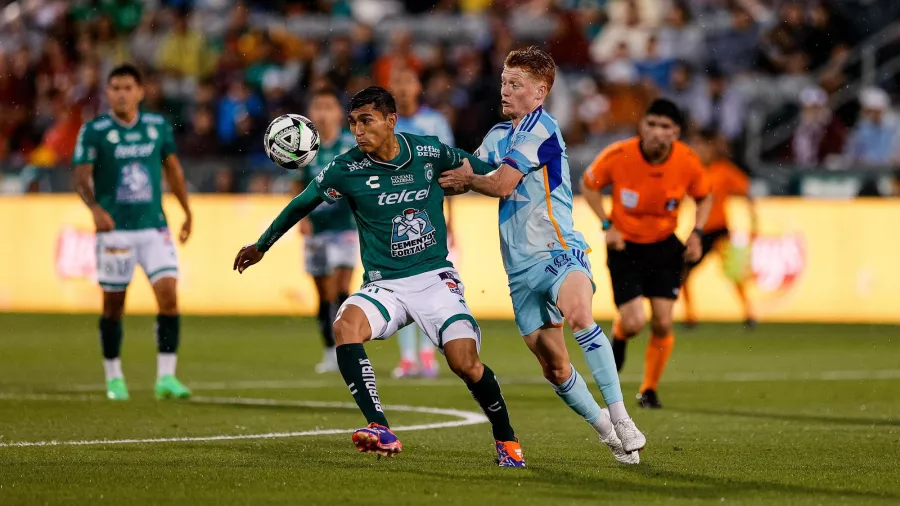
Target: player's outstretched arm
84, 175
496, 183
175, 178
296, 210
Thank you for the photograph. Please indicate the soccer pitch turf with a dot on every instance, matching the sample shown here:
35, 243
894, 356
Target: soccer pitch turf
788, 414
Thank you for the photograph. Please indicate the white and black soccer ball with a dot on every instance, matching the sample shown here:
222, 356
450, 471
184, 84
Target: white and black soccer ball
291, 141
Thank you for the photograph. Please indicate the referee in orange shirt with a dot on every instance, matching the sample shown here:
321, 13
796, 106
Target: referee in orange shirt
650, 175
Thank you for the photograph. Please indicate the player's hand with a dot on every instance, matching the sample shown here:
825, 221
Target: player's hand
247, 256
458, 179
102, 220
614, 239
398, 219
305, 228
693, 248
185, 233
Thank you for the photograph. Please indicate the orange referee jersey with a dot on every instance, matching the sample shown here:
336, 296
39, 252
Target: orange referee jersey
646, 196
725, 180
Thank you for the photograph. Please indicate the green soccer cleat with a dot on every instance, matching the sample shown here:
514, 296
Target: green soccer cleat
168, 387
116, 390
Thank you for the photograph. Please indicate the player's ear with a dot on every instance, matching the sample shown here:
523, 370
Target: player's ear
392, 119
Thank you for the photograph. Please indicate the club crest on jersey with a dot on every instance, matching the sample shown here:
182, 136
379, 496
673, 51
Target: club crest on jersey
412, 233
519, 139
113, 136
429, 172
152, 132
629, 198
134, 184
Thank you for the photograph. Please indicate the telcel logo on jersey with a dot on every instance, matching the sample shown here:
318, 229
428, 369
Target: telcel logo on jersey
405, 196
134, 150
429, 151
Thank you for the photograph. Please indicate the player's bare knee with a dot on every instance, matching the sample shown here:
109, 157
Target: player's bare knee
557, 374
581, 318
351, 326
633, 324
468, 367
113, 305
661, 325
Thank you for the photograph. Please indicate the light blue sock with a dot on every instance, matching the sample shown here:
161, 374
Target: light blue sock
574, 392
424, 342
407, 337
599, 357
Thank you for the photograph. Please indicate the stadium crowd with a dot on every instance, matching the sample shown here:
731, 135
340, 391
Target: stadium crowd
221, 69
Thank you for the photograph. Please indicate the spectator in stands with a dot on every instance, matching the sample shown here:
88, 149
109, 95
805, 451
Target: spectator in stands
145, 40
627, 32
687, 92
620, 67
680, 38
400, 53
735, 50
239, 102
200, 140
724, 108
820, 134
873, 142
655, 68
183, 53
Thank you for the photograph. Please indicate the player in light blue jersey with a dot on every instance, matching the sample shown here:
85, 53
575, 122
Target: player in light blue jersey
417, 356
544, 256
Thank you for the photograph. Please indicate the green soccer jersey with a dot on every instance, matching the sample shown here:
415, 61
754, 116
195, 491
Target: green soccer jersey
127, 162
398, 205
335, 217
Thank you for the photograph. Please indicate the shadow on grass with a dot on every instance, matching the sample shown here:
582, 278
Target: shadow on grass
793, 417
649, 480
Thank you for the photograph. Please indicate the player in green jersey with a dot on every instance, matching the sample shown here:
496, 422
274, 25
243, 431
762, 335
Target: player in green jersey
119, 163
329, 232
390, 182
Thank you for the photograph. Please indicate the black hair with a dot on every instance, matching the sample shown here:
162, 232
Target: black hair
380, 98
667, 109
125, 70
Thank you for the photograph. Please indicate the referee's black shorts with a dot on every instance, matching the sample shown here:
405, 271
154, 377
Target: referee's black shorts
646, 270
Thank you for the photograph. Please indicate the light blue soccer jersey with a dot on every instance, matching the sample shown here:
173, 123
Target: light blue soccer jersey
426, 121
536, 220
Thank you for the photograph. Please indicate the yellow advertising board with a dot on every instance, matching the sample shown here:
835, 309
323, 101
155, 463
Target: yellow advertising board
829, 261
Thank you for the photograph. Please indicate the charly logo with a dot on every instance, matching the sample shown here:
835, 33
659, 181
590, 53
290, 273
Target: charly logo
429, 172
373, 182
412, 233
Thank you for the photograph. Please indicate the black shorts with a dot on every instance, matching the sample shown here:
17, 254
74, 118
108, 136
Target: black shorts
646, 270
709, 242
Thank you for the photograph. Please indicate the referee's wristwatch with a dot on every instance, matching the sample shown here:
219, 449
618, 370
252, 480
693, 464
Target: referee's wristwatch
605, 224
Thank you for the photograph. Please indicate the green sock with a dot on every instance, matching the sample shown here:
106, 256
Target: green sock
360, 378
487, 392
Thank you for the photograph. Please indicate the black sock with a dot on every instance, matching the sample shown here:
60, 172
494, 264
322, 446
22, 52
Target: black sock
168, 328
618, 348
487, 392
326, 318
111, 337
360, 377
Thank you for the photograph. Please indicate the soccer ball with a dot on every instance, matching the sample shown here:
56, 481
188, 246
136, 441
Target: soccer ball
291, 141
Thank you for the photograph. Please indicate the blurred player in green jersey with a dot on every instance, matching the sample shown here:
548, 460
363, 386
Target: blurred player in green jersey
119, 160
329, 232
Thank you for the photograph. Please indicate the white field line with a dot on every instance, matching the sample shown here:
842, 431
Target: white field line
735, 377
465, 418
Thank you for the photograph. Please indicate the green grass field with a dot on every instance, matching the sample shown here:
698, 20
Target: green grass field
789, 414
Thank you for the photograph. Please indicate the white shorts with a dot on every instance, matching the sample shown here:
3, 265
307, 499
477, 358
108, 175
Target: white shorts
434, 300
327, 251
118, 252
